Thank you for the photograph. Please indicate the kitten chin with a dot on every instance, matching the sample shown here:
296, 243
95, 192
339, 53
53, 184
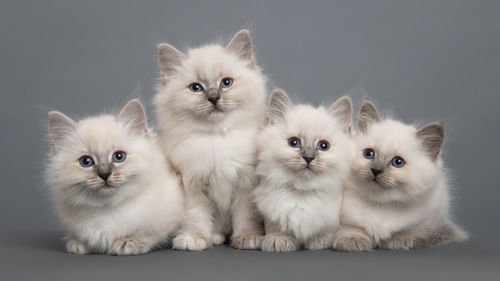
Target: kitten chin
210, 105
110, 183
303, 158
397, 194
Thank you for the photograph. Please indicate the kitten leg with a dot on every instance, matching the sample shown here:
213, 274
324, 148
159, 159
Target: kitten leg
74, 246
247, 227
129, 246
399, 241
196, 234
447, 233
277, 241
322, 240
352, 239
219, 233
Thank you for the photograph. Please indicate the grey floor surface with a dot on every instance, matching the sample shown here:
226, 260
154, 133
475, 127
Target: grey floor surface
39, 255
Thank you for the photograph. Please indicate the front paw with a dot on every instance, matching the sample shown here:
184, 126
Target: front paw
74, 246
246, 242
218, 238
353, 244
190, 242
279, 243
128, 246
397, 243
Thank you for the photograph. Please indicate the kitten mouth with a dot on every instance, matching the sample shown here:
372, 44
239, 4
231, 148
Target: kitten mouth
377, 183
307, 168
107, 186
216, 109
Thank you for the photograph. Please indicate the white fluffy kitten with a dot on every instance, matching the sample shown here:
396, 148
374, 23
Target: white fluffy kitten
304, 155
210, 105
397, 193
113, 188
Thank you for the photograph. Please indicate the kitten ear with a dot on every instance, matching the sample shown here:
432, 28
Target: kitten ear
134, 115
169, 58
60, 127
367, 114
432, 137
342, 111
241, 45
279, 103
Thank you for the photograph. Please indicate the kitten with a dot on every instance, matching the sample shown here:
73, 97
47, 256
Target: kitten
397, 195
210, 105
303, 158
112, 186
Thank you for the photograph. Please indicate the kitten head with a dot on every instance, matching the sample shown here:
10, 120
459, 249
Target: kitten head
305, 146
211, 82
394, 162
99, 160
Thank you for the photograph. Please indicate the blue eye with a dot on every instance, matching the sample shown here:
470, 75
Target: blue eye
119, 156
398, 162
294, 142
323, 145
86, 161
195, 87
369, 153
226, 82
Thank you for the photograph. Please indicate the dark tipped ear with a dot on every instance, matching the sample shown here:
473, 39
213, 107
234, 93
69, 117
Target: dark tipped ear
134, 115
368, 113
342, 111
60, 127
432, 137
279, 103
169, 58
241, 45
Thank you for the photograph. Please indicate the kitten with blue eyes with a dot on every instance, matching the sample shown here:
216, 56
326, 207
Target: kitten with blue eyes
113, 189
303, 158
397, 194
210, 105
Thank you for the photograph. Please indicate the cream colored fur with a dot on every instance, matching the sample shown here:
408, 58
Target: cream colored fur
141, 203
409, 207
213, 147
300, 202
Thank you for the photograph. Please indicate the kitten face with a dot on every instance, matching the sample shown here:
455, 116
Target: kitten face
210, 82
99, 159
393, 161
302, 142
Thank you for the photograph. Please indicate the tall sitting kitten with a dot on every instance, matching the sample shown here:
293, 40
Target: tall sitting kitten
210, 105
112, 186
303, 158
397, 193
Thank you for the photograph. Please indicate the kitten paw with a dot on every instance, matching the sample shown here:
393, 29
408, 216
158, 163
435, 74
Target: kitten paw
353, 244
246, 242
319, 242
279, 243
127, 246
218, 238
397, 243
73, 246
190, 242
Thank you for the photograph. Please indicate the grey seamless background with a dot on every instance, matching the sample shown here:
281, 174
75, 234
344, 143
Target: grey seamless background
421, 60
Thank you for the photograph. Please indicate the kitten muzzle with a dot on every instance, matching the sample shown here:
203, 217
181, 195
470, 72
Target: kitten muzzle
104, 171
213, 96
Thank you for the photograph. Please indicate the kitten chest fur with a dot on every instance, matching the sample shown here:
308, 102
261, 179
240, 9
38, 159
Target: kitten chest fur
383, 220
216, 160
303, 213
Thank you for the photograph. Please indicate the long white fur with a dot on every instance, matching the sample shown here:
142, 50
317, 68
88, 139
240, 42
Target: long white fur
215, 152
137, 215
301, 207
413, 212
